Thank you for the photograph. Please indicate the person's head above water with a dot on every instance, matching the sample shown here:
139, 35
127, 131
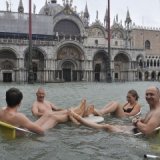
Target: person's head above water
40, 94
152, 95
13, 97
132, 96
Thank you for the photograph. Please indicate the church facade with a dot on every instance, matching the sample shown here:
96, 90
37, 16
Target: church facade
67, 48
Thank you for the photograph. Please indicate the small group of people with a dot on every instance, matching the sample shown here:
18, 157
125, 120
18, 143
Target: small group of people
48, 115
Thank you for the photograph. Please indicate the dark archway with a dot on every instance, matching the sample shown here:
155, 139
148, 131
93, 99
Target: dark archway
8, 60
67, 68
100, 62
121, 66
153, 76
70, 58
38, 63
146, 75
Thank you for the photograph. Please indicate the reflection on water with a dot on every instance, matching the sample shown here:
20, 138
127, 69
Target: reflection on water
66, 141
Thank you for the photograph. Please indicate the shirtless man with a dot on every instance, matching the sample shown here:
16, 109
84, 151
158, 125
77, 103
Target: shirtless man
146, 125
11, 115
41, 106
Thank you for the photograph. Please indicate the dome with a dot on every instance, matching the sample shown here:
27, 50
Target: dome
51, 8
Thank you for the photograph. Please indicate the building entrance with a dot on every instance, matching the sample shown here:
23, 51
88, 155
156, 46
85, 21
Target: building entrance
7, 77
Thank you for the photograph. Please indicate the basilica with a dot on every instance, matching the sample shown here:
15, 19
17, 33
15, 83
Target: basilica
66, 47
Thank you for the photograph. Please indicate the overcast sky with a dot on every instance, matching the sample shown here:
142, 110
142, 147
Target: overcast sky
142, 12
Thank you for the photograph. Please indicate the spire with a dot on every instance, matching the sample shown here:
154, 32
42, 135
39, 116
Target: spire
106, 18
128, 19
86, 16
86, 13
20, 7
46, 8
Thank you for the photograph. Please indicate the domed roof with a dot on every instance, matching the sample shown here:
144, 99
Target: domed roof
51, 8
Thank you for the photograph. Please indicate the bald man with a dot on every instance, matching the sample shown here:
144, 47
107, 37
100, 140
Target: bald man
146, 125
152, 118
41, 106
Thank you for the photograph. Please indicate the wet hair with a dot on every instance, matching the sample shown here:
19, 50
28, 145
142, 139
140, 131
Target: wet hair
134, 93
13, 97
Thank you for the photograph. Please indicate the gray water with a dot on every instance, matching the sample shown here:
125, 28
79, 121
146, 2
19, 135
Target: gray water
69, 142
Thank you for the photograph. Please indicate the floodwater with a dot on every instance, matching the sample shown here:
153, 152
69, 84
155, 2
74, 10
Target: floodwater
69, 142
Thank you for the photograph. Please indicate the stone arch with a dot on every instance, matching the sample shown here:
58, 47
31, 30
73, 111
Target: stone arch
147, 44
117, 34
146, 76
38, 62
8, 64
100, 64
140, 60
74, 19
72, 49
11, 51
68, 68
69, 62
121, 66
153, 75
96, 31
66, 27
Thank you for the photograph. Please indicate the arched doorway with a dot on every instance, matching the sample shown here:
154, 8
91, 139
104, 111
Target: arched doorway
153, 76
146, 75
67, 69
121, 66
97, 72
38, 64
69, 59
100, 62
8, 65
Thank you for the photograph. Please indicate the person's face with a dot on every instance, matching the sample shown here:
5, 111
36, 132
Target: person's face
40, 95
130, 98
152, 96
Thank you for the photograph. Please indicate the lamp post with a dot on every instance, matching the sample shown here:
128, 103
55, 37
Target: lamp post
109, 77
30, 68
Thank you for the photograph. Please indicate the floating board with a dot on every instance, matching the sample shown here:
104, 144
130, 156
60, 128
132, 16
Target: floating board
96, 119
8, 131
137, 115
150, 156
140, 133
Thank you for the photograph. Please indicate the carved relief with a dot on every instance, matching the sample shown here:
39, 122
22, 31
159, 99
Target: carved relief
7, 65
69, 53
117, 34
95, 32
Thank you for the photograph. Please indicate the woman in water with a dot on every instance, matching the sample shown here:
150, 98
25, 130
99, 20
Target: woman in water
131, 108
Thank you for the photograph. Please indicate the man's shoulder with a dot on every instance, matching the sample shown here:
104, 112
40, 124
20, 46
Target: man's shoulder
35, 104
20, 115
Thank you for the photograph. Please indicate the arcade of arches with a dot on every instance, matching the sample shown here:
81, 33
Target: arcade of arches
70, 65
